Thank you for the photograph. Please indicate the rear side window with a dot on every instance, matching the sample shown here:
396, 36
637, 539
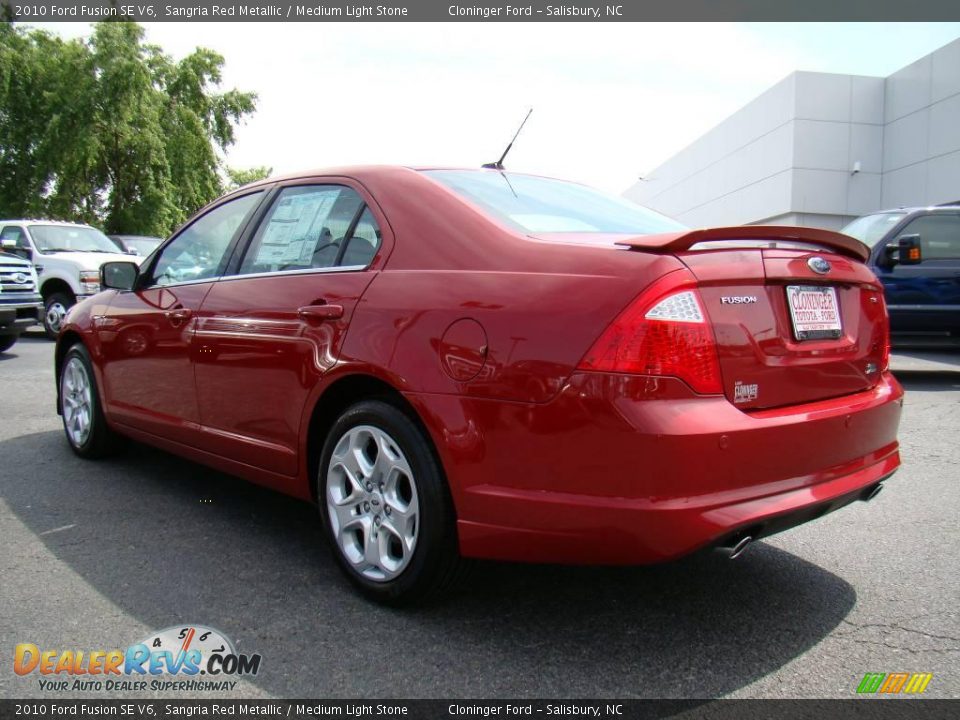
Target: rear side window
939, 236
363, 242
313, 227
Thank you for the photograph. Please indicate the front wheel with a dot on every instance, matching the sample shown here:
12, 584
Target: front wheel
7, 342
386, 507
83, 420
55, 311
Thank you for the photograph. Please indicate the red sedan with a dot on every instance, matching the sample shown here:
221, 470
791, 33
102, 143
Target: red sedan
482, 364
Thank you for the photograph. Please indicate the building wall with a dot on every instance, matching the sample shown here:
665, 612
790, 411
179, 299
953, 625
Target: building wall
921, 158
819, 149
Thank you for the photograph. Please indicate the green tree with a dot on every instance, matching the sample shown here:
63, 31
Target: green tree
111, 130
238, 177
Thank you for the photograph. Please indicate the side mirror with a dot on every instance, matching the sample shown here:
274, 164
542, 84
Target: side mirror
119, 275
909, 250
8, 243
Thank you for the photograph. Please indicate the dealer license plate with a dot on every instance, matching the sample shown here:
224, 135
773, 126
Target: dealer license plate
814, 311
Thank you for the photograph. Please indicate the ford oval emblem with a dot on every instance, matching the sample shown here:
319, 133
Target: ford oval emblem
819, 265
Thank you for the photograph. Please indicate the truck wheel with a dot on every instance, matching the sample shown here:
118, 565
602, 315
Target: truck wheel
54, 311
7, 342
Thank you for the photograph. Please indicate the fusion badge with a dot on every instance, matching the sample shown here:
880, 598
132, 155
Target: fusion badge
737, 299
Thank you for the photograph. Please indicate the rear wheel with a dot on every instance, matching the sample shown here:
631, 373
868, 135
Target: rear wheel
7, 342
386, 507
83, 420
55, 310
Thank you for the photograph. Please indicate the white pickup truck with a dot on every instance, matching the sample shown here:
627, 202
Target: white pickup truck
20, 303
67, 257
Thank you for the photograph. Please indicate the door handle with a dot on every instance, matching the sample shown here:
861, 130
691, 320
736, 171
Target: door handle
176, 317
320, 313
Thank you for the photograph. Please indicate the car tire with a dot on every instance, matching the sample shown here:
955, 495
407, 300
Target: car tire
7, 342
55, 310
386, 507
84, 423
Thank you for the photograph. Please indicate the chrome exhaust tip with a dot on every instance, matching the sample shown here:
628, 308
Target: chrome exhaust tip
737, 550
873, 492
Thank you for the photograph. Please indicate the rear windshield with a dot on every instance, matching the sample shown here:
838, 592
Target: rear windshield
870, 229
542, 205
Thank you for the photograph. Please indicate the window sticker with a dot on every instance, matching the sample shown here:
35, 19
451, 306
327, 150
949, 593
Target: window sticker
295, 228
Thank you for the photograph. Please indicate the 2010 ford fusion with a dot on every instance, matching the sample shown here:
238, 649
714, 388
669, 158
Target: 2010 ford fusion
483, 364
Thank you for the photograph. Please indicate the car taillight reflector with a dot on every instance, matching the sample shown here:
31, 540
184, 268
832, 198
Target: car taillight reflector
681, 307
663, 332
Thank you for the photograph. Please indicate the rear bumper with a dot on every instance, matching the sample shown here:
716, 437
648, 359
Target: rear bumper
629, 470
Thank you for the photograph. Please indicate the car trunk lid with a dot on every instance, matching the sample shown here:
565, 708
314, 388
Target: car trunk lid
796, 315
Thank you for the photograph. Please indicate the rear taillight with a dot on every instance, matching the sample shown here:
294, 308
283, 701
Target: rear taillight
885, 336
665, 331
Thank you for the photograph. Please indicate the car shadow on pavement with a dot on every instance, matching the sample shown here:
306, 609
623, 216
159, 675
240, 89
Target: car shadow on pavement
171, 542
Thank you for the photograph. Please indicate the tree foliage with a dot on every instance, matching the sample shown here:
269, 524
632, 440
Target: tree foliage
111, 130
239, 178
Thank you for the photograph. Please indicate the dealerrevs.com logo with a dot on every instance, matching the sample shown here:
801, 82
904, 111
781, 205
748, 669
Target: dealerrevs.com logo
180, 658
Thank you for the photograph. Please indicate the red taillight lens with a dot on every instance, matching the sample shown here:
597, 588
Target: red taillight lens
665, 331
885, 337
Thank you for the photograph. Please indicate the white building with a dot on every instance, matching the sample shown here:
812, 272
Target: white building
820, 149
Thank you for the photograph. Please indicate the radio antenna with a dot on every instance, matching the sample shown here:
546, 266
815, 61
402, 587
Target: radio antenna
498, 165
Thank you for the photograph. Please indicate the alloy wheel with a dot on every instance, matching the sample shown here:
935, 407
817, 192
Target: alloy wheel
77, 401
372, 503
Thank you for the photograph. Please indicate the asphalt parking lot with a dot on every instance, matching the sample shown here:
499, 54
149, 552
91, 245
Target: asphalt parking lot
98, 555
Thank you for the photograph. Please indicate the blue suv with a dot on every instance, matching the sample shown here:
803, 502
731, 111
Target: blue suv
916, 254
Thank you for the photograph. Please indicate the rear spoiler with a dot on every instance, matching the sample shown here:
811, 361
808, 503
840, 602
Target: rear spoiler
678, 242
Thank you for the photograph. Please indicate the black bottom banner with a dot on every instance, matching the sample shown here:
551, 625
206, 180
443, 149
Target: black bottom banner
878, 708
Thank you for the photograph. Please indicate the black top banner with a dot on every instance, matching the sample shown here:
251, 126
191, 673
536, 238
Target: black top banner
478, 11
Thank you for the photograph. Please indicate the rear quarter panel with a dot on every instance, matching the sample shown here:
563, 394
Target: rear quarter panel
540, 304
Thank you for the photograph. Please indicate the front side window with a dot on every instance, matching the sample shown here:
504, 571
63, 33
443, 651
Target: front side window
541, 205
939, 236
199, 252
51, 239
313, 227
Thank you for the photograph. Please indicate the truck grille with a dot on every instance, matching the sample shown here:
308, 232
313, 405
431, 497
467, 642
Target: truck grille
16, 279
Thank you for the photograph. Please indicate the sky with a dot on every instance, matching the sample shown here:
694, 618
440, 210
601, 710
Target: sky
611, 101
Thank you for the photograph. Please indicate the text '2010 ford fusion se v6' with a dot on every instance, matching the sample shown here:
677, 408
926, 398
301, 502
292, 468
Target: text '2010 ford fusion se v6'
462, 364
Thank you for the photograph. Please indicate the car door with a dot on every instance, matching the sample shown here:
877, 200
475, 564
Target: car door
269, 331
145, 335
926, 297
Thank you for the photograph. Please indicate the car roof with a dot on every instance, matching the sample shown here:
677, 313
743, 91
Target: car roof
361, 172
